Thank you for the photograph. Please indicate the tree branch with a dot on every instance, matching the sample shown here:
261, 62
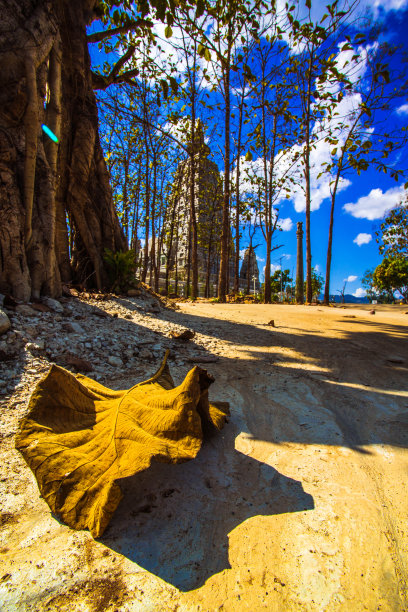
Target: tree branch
99, 36
100, 81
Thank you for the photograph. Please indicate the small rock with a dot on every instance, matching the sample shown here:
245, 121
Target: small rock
72, 327
78, 364
101, 313
203, 359
372, 312
271, 323
35, 346
128, 316
145, 354
114, 361
4, 322
55, 305
26, 310
40, 307
157, 347
186, 334
154, 308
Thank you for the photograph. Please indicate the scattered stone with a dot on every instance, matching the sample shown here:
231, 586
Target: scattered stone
128, 316
101, 313
203, 359
73, 327
271, 323
9, 301
33, 347
114, 361
26, 310
40, 307
79, 364
157, 347
372, 312
4, 322
55, 305
349, 316
69, 291
186, 334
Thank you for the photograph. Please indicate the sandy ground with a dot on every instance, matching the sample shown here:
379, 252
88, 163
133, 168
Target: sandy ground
300, 503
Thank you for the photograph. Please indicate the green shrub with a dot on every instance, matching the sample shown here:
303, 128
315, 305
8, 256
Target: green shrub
121, 267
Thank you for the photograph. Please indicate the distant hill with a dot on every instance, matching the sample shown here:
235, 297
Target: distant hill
348, 298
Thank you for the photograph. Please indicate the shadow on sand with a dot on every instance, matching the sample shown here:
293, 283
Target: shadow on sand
174, 520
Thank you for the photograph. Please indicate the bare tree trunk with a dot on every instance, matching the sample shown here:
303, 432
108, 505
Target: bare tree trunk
147, 215
152, 256
225, 234
307, 186
188, 261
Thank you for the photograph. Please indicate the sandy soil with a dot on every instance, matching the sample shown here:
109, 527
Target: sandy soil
300, 503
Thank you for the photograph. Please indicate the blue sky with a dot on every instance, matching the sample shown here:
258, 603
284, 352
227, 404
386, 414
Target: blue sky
362, 201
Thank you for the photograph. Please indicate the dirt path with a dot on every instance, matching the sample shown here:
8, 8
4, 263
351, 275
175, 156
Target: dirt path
299, 504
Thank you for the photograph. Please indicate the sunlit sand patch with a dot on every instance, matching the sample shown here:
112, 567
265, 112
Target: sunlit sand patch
393, 392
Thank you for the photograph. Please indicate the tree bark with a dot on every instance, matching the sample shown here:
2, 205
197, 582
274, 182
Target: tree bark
225, 233
307, 183
41, 181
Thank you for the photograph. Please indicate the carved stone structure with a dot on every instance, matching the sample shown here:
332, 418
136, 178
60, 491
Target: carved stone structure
208, 209
249, 270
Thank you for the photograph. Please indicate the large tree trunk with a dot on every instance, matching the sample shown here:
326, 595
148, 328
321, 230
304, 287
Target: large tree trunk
43, 50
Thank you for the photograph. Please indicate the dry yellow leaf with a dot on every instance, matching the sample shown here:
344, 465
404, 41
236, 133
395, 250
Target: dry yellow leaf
80, 437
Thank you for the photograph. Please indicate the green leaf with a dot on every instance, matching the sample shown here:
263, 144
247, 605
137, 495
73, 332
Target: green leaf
200, 9
308, 4
207, 55
168, 32
165, 87
173, 84
248, 156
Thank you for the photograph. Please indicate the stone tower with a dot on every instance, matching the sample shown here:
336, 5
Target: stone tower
208, 208
249, 269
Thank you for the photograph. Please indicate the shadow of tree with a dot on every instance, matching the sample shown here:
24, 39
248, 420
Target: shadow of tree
157, 525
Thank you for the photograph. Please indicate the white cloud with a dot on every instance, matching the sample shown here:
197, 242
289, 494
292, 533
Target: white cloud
260, 259
377, 6
362, 238
285, 224
351, 278
403, 110
274, 267
375, 204
360, 292
317, 268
